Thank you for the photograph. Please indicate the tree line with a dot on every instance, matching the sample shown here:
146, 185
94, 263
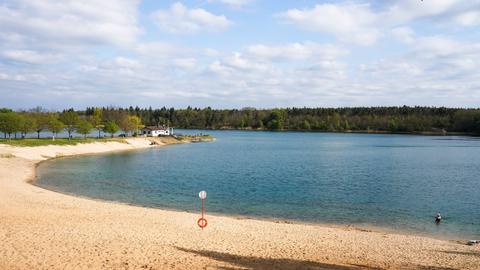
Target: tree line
366, 119
383, 119
18, 124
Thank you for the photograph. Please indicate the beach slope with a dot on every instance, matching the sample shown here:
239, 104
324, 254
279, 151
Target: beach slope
42, 229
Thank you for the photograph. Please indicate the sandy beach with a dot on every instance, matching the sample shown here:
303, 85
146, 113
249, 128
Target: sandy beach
42, 229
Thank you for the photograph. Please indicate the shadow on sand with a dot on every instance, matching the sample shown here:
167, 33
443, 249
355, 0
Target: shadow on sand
259, 263
465, 253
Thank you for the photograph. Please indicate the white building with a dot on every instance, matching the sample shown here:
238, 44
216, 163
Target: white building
155, 131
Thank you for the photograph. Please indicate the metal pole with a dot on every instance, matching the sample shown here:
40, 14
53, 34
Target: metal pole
203, 210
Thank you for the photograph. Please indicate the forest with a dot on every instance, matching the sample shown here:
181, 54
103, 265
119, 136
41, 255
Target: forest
110, 120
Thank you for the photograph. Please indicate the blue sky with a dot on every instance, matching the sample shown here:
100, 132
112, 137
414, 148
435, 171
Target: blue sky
239, 53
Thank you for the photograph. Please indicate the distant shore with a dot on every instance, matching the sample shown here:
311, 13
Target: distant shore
42, 229
422, 133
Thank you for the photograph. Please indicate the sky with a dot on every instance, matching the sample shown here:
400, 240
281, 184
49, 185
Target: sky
239, 53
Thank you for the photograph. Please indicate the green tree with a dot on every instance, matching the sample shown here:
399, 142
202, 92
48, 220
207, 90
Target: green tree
126, 125
259, 124
336, 119
276, 120
477, 126
97, 120
3, 123
407, 119
70, 119
111, 128
135, 122
306, 125
18, 123
41, 120
29, 124
84, 127
5, 110
55, 125
392, 125
10, 122
466, 120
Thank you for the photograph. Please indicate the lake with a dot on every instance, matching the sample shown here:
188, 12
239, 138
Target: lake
397, 182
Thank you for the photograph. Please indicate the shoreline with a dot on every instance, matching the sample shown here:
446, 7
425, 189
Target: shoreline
270, 237
363, 227
372, 132
342, 226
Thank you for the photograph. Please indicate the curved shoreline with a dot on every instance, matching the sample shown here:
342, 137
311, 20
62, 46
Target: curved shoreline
41, 228
344, 226
364, 227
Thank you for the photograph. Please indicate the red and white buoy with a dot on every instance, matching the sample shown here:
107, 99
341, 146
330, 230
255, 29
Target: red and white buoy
202, 222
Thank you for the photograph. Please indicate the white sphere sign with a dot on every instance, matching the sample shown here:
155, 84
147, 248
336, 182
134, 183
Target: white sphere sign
202, 195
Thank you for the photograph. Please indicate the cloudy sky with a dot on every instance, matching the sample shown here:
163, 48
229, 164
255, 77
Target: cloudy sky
238, 53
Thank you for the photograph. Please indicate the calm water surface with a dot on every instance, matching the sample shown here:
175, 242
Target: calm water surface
392, 181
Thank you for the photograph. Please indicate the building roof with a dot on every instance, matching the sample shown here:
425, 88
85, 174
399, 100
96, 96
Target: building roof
156, 128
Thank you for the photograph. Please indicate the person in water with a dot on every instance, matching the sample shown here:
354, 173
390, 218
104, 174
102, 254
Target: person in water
438, 218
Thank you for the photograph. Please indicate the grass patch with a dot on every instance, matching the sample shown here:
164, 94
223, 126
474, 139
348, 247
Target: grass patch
59, 141
7, 155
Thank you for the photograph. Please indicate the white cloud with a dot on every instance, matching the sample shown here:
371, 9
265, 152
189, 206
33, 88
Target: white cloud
4, 76
236, 62
360, 24
349, 22
438, 69
219, 68
431, 46
469, 18
403, 34
436, 46
297, 51
464, 13
185, 63
160, 55
179, 19
254, 76
233, 3
107, 60
126, 62
71, 22
211, 52
29, 56
158, 49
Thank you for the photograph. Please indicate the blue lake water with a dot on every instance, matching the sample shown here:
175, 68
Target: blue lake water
391, 181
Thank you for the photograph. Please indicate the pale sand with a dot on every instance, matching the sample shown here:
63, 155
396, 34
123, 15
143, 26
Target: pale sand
41, 229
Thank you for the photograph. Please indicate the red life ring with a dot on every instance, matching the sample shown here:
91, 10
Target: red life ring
202, 223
